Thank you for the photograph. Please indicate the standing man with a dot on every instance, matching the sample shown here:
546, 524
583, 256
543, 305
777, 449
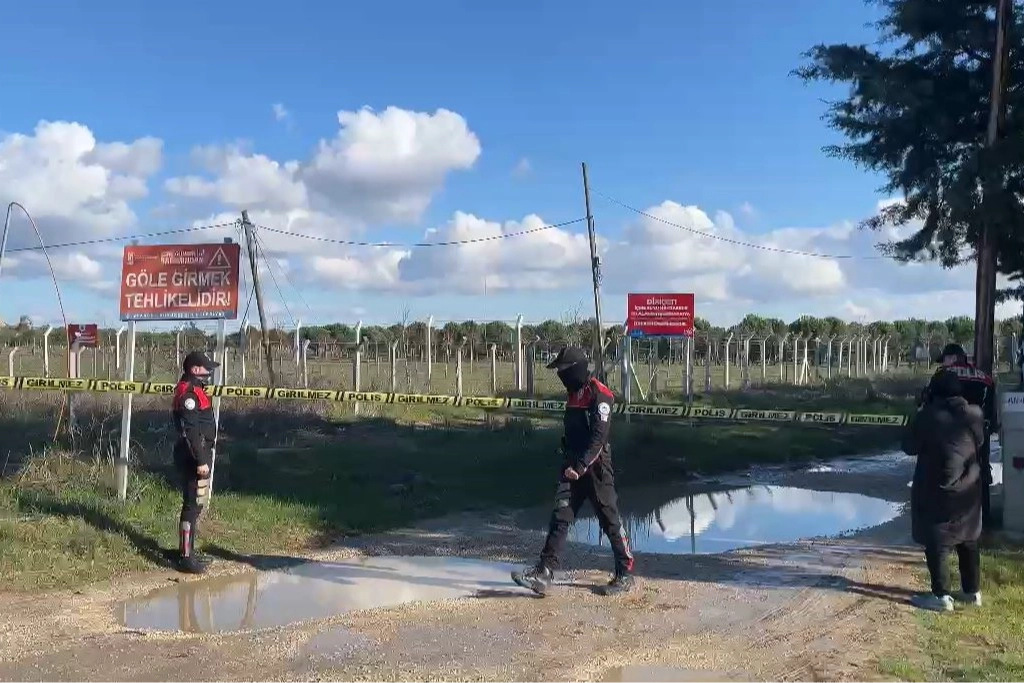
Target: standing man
586, 474
980, 390
193, 452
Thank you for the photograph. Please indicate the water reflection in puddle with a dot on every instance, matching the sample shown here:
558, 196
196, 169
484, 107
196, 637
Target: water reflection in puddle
726, 520
313, 590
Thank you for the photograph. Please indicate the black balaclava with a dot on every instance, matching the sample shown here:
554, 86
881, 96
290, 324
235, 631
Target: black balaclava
945, 384
575, 376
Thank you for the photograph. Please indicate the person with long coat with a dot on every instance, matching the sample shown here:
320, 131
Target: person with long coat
946, 435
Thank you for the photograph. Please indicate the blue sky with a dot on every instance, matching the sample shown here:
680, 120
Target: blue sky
684, 102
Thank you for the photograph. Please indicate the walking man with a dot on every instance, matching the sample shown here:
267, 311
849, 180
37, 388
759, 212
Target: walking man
193, 452
586, 474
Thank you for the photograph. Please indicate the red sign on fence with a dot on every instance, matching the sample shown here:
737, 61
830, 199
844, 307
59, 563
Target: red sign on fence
87, 336
659, 315
180, 282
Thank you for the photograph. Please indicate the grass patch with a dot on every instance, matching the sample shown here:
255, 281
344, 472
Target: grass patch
985, 644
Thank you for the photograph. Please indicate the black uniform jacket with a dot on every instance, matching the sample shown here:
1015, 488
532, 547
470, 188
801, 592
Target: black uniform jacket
587, 423
194, 420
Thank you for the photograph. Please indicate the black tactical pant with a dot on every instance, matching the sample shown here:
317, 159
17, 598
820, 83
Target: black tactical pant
597, 485
191, 504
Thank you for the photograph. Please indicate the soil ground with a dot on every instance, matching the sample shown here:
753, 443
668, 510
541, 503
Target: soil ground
823, 609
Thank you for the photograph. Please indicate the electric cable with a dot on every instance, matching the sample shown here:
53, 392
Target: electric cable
739, 243
124, 238
418, 245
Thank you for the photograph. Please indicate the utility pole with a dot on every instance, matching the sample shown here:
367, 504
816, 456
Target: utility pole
595, 267
985, 284
250, 242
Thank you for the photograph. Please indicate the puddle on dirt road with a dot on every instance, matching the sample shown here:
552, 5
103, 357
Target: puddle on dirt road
715, 522
666, 673
313, 590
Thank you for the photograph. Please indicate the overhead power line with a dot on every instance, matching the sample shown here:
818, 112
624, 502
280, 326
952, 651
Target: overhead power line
412, 245
123, 238
729, 240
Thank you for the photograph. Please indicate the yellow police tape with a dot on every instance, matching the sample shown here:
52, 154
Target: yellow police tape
103, 386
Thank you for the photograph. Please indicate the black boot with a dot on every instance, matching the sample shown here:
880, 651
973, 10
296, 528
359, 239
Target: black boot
538, 579
623, 580
187, 561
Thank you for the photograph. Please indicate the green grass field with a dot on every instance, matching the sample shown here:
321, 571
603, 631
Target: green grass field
972, 644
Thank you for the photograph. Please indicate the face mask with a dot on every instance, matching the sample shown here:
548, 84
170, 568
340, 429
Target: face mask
574, 377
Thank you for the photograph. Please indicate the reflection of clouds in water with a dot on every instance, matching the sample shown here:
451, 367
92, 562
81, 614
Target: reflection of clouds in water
311, 591
757, 500
742, 517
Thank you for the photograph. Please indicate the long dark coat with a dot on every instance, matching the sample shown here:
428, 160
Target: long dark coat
945, 498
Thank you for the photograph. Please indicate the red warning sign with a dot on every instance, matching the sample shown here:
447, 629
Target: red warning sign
180, 282
87, 336
659, 315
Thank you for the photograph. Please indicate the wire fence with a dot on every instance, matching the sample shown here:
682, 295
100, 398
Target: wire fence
504, 364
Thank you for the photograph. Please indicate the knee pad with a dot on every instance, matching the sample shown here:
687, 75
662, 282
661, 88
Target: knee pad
202, 493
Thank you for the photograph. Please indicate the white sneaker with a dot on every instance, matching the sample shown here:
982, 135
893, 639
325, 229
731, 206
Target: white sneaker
968, 598
935, 603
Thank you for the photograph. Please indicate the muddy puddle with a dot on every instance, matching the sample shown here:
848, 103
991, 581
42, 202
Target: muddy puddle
666, 673
722, 520
309, 591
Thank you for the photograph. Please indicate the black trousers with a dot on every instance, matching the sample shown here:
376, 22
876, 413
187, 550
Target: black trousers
598, 487
191, 508
969, 557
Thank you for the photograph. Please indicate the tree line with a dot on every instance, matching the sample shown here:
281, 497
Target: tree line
554, 333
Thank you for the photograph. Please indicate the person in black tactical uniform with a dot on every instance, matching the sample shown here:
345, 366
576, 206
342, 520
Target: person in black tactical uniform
979, 389
586, 474
193, 452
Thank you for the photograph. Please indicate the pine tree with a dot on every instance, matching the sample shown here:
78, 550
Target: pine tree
917, 112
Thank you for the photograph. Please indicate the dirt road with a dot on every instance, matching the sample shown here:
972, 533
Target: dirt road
822, 610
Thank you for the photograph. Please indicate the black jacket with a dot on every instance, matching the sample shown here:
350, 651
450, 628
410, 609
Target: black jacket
945, 498
194, 420
587, 423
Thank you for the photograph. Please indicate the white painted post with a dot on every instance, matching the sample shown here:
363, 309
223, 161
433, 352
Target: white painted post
357, 364
796, 357
885, 355
458, 368
305, 363
627, 381
117, 348
782, 357
46, 350
177, 345
764, 359
10, 361
243, 348
121, 467
493, 349
519, 353
430, 351
728, 344
219, 377
297, 346
393, 351
689, 367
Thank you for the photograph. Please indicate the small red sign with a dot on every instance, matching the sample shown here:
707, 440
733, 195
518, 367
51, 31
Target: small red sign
87, 336
659, 315
180, 282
